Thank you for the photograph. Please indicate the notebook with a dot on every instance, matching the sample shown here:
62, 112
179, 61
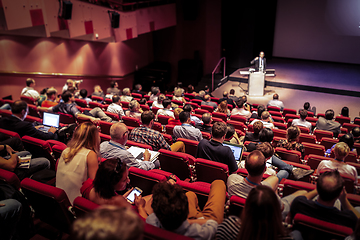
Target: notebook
236, 149
138, 154
50, 120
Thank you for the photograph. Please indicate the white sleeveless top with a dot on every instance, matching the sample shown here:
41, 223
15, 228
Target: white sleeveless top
71, 175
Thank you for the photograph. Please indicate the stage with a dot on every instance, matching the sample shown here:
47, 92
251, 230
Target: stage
325, 85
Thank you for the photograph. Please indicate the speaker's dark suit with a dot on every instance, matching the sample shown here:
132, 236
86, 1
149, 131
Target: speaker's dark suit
256, 62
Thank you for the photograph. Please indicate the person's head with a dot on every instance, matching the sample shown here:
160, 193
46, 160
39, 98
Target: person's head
266, 135
329, 114
86, 135
232, 91
161, 98
307, 106
20, 109
240, 103
184, 117
178, 92
43, 92
303, 114
147, 117
265, 115
206, 118
70, 83
143, 101
356, 132
177, 112
111, 176
155, 90
187, 108
108, 222
170, 205
134, 105
293, 133
67, 96
345, 112
244, 98
341, 151
206, 88
97, 88
257, 126
126, 91
219, 130
276, 96
202, 93
113, 84
83, 93
223, 107
166, 103
119, 133
230, 131
261, 54
260, 109
51, 93
30, 82
207, 98
138, 87
255, 163
225, 94
116, 99
190, 89
348, 139
261, 217
266, 149
329, 185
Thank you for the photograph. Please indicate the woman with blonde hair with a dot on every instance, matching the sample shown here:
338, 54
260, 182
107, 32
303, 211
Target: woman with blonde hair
223, 108
79, 161
178, 95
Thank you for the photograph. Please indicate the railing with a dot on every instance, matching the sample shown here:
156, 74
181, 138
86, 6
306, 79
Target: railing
213, 72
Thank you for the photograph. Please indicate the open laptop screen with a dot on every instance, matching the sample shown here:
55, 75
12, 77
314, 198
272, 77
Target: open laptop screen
51, 119
236, 149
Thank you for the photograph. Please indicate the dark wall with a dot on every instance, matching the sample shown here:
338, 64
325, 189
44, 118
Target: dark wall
247, 28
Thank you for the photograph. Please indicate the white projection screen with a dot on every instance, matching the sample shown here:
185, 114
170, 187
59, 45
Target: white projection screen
324, 30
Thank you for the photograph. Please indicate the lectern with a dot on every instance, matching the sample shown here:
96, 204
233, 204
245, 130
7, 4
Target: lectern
256, 84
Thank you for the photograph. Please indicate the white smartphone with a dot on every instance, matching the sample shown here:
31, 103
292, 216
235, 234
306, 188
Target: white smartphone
131, 197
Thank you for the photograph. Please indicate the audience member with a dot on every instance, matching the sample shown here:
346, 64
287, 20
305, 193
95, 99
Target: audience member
113, 89
68, 83
265, 119
154, 93
254, 136
175, 121
178, 96
134, 110
29, 90
329, 188
138, 89
223, 108
159, 101
17, 124
241, 109
308, 108
344, 112
302, 121
205, 126
260, 109
146, 135
191, 89
166, 110
328, 124
115, 107
231, 135
42, 96
356, 133
84, 96
291, 143
10, 215
207, 101
108, 223
126, 97
341, 151
214, 150
260, 219
179, 212
79, 161
346, 138
255, 164
51, 100
275, 102
201, 95
207, 90
227, 99
188, 108
232, 96
115, 148
186, 130
143, 101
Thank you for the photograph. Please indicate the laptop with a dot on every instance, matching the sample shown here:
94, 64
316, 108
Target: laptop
50, 120
236, 149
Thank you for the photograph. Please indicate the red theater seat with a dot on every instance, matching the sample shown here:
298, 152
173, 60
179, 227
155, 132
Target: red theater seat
10, 178
82, 206
163, 119
190, 146
177, 163
316, 149
130, 121
238, 118
209, 171
145, 180
289, 155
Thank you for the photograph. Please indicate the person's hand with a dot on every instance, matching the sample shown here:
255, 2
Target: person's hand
52, 130
342, 196
39, 126
256, 58
95, 121
139, 201
147, 155
9, 150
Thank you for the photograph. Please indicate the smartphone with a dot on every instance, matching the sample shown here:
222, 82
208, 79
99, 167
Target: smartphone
131, 197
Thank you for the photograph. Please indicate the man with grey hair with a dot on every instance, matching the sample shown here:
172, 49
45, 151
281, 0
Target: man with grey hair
201, 95
115, 148
126, 97
207, 101
205, 126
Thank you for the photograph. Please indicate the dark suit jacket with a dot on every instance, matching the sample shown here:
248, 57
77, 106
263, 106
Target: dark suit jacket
204, 128
256, 62
23, 128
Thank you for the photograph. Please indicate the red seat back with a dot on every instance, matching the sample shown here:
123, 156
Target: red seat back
237, 125
201, 189
275, 114
105, 127
81, 206
208, 108
66, 118
289, 155
163, 119
316, 149
238, 118
10, 178
237, 204
169, 129
144, 107
194, 105
157, 126
104, 137
113, 116
97, 98
280, 125
5, 113
322, 133
201, 111
222, 116
28, 100
288, 111
130, 121
154, 110
328, 142
177, 163
272, 108
33, 111
304, 137
291, 116
145, 180
349, 158
342, 119
291, 186
9, 133
209, 171
279, 133
39, 148
278, 119
206, 135
314, 160
190, 146
81, 102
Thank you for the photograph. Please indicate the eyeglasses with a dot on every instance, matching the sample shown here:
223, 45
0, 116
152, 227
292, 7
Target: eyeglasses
118, 165
127, 132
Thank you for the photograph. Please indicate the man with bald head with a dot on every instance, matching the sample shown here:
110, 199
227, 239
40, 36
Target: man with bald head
275, 102
115, 148
227, 99
207, 101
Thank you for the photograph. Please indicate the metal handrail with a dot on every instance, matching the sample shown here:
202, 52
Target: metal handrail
213, 72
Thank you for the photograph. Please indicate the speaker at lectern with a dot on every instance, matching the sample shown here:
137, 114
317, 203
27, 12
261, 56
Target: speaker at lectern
256, 84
